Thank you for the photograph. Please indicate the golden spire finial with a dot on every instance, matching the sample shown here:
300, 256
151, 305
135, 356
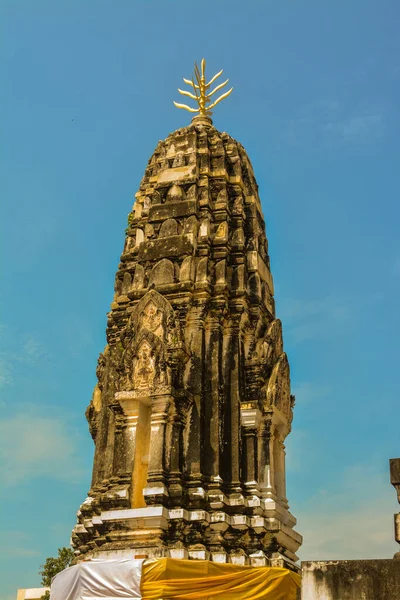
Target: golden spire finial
200, 89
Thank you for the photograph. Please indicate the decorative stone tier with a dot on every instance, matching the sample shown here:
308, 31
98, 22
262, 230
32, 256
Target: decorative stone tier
148, 530
193, 400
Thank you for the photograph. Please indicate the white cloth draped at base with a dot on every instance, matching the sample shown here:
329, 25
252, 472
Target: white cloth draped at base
99, 579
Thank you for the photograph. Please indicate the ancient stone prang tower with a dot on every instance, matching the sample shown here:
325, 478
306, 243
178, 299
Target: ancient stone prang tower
193, 400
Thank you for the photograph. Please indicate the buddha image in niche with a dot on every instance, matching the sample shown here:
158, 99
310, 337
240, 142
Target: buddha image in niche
152, 318
144, 368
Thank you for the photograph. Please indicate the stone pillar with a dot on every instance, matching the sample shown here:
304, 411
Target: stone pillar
266, 463
141, 450
100, 451
235, 397
280, 479
124, 447
108, 452
176, 424
250, 419
211, 420
156, 490
195, 343
125, 438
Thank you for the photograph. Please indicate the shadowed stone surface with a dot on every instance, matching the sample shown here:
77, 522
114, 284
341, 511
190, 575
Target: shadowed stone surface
395, 481
351, 580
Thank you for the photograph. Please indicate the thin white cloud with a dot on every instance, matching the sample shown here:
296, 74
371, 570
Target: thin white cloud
352, 521
296, 444
33, 234
32, 350
27, 350
17, 544
35, 445
6, 378
356, 126
306, 392
314, 319
335, 120
332, 305
396, 266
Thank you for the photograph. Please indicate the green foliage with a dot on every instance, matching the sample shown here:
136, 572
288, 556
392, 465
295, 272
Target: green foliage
131, 218
52, 566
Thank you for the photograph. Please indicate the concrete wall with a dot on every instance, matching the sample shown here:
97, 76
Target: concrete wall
31, 593
351, 580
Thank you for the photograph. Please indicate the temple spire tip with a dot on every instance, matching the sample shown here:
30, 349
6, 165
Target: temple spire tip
200, 91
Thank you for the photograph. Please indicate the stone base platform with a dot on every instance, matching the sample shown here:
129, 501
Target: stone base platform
144, 533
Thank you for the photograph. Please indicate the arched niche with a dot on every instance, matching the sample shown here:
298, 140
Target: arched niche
191, 226
175, 194
138, 278
220, 272
202, 270
162, 273
187, 271
254, 286
168, 228
192, 192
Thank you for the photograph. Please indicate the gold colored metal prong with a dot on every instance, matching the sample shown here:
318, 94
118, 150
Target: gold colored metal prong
189, 82
200, 89
193, 110
221, 85
214, 78
221, 98
189, 94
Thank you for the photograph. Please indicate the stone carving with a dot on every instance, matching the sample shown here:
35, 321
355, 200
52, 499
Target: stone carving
144, 371
146, 206
193, 400
152, 319
156, 198
238, 238
222, 198
278, 391
221, 235
204, 232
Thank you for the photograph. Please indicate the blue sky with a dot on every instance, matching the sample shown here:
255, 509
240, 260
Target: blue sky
87, 93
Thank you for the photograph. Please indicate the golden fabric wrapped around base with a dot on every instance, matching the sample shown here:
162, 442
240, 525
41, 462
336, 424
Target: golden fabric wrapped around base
204, 580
